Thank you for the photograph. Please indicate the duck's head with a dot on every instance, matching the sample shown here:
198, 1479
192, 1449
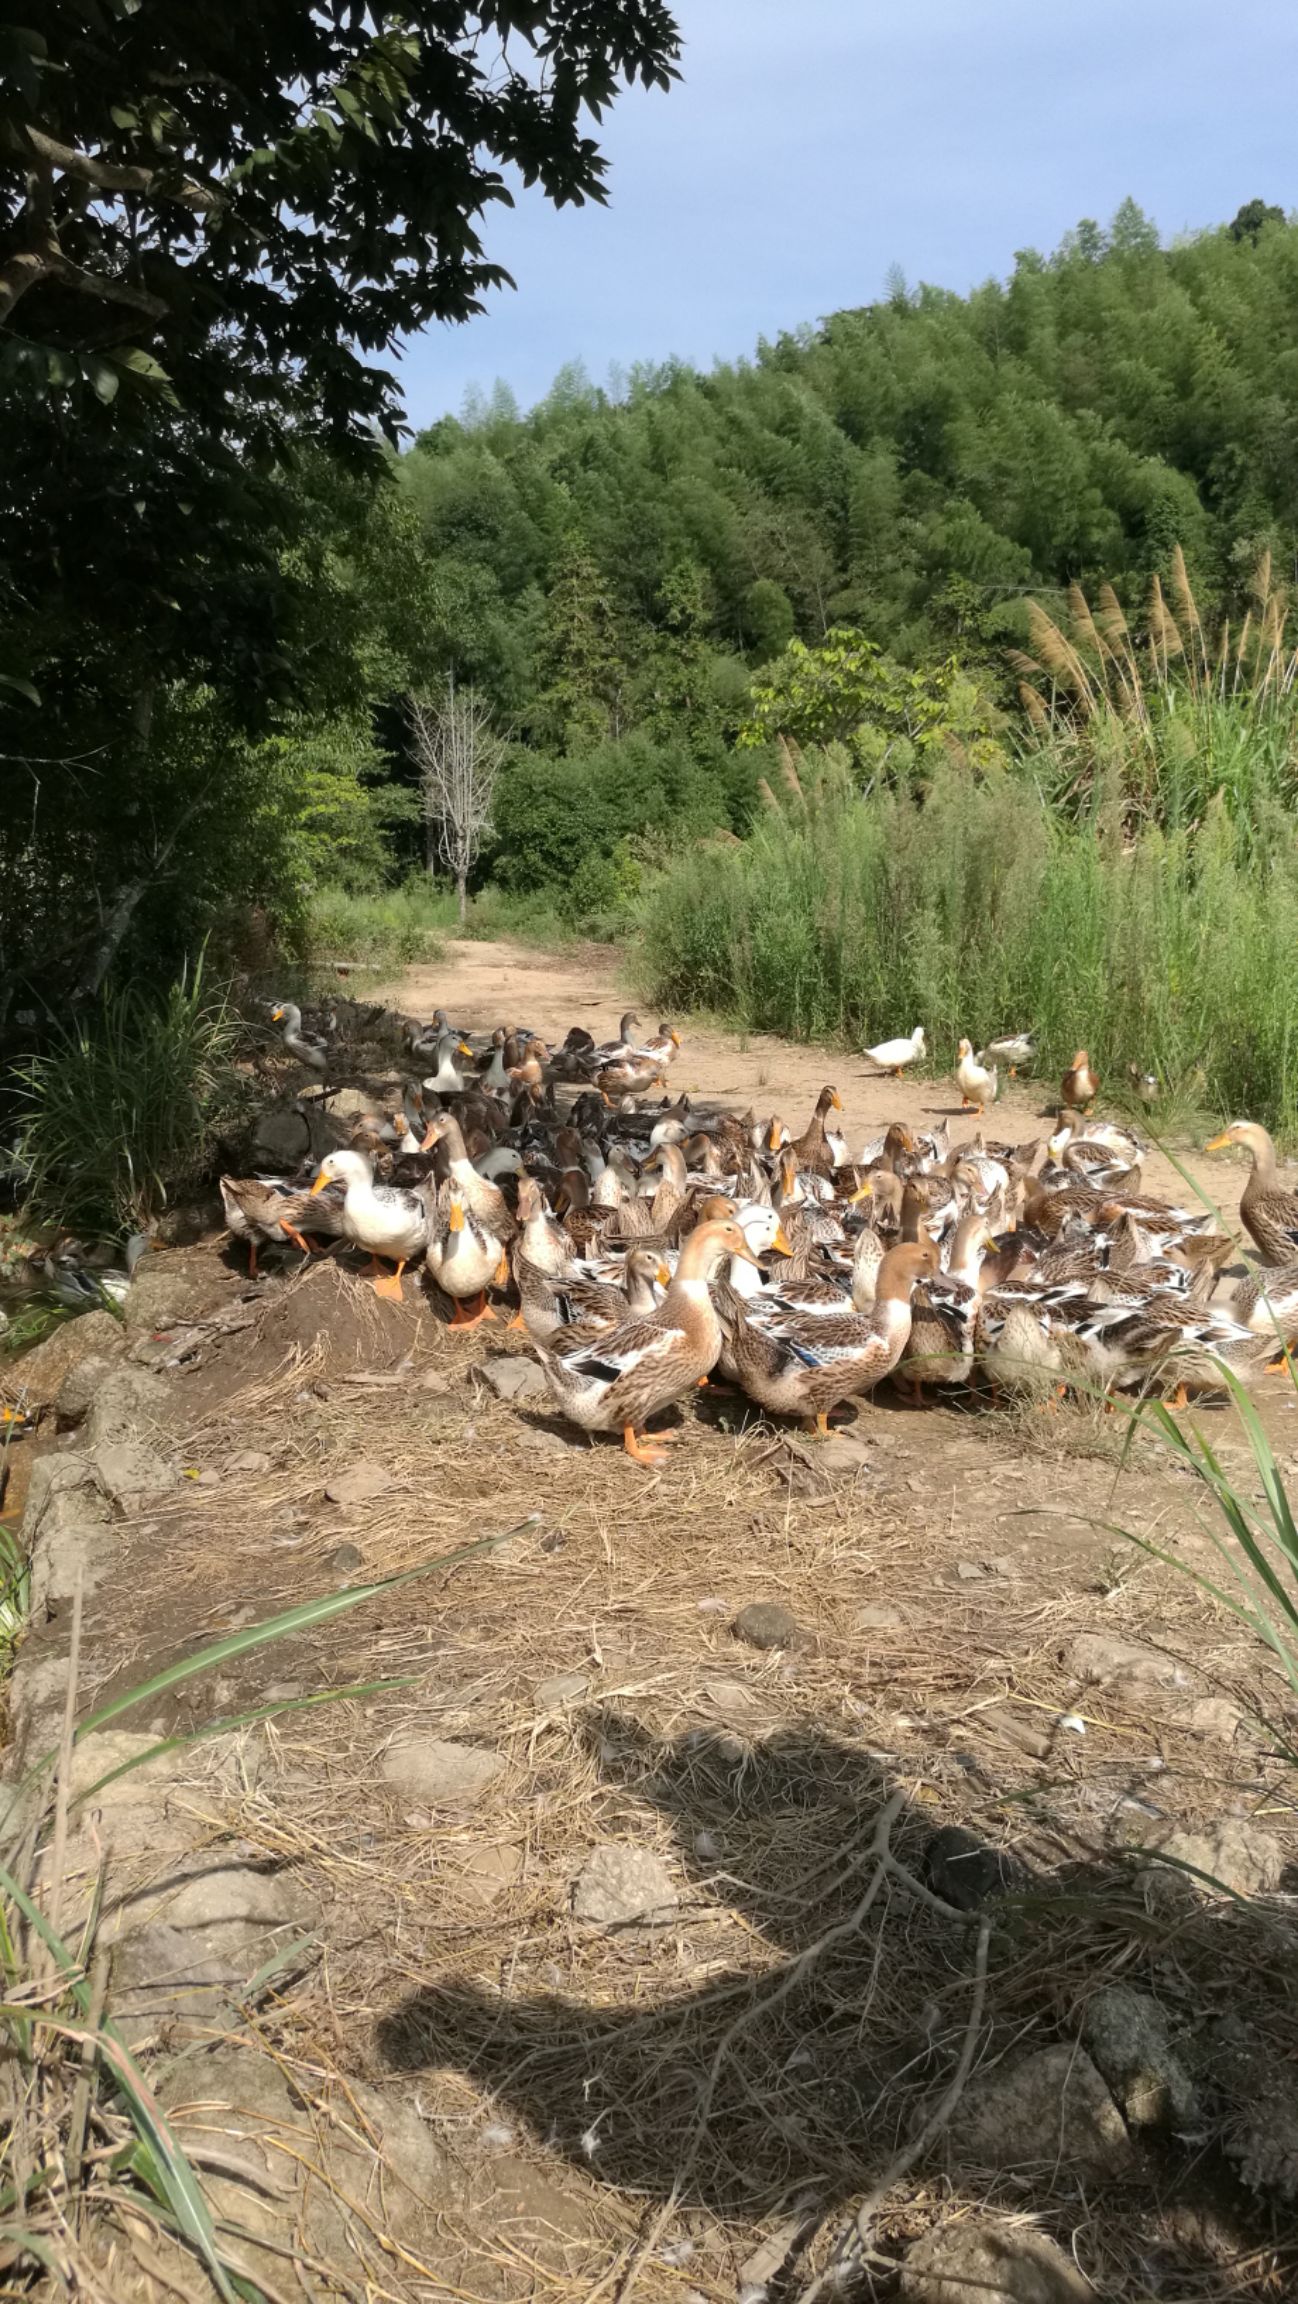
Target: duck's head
344, 1167
709, 1244
1248, 1134
964, 1050
829, 1100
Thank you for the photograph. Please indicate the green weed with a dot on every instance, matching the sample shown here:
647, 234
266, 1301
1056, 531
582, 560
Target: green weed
121, 1108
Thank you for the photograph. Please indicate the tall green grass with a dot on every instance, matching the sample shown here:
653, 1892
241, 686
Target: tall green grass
973, 906
386, 928
121, 1106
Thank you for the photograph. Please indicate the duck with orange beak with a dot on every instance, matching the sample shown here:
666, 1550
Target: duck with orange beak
631, 1373
392, 1223
464, 1256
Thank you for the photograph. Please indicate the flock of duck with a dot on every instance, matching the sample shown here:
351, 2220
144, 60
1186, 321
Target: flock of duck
651, 1245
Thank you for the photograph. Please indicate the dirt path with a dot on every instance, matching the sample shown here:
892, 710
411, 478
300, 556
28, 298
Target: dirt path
961, 1630
482, 985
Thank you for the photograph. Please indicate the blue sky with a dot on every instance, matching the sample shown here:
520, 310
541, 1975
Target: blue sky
814, 143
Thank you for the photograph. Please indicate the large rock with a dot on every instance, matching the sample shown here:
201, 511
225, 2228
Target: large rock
77, 1393
980, 2260
211, 1929
1052, 2109
168, 1291
40, 1372
1126, 2033
431, 1773
511, 1377
619, 1885
127, 1408
282, 1139
67, 1529
1231, 1855
288, 2173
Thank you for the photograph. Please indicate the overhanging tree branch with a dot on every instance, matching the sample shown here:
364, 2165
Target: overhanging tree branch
110, 176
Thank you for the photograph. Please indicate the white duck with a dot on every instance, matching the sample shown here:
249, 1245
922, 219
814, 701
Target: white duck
894, 1055
308, 1049
393, 1224
975, 1080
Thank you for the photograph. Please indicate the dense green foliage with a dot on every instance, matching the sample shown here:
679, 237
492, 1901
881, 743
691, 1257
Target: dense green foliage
912, 470
215, 224
974, 907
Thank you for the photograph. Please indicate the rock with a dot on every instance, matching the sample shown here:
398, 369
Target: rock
841, 1457
77, 1393
248, 1460
1254, 2093
128, 1407
1114, 1663
67, 1530
435, 1774
560, 1688
1052, 2109
344, 1557
730, 1697
202, 1943
618, 1885
878, 1617
128, 1470
41, 1372
513, 1378
964, 1871
282, 1139
1216, 1716
1234, 1854
170, 1290
1126, 2033
975, 2259
361, 1483
285, 2171
765, 1624
489, 1871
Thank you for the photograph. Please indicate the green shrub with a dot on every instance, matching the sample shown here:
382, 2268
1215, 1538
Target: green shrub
124, 1106
552, 816
384, 929
973, 908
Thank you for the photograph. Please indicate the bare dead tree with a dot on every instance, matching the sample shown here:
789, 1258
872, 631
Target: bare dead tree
458, 754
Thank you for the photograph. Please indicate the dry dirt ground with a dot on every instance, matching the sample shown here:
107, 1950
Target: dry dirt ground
972, 1634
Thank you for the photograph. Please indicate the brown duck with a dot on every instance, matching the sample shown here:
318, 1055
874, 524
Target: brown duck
1267, 1211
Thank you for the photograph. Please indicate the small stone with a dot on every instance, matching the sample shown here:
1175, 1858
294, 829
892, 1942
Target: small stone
971, 1571
619, 1884
344, 1557
431, 1381
1215, 1716
560, 1688
543, 1443
765, 1624
1052, 2109
513, 1378
1126, 2033
361, 1483
208, 1478
876, 1616
248, 1460
842, 1456
282, 1691
438, 1774
964, 1871
975, 2259
707, 1847
1112, 1663
712, 1606
730, 1695
489, 1871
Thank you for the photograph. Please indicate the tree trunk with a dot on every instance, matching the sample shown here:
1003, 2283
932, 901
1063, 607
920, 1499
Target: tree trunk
462, 891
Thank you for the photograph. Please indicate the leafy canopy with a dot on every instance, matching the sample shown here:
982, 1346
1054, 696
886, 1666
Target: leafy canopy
249, 199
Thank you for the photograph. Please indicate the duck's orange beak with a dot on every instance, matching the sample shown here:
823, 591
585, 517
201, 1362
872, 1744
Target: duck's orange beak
864, 1191
320, 1183
455, 1217
780, 1244
836, 1102
1219, 1143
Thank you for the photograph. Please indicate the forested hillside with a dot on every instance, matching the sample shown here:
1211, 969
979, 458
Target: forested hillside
912, 468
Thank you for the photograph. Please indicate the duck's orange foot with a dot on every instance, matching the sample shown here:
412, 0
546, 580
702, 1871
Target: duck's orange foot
640, 1452
388, 1284
517, 1322
461, 1318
